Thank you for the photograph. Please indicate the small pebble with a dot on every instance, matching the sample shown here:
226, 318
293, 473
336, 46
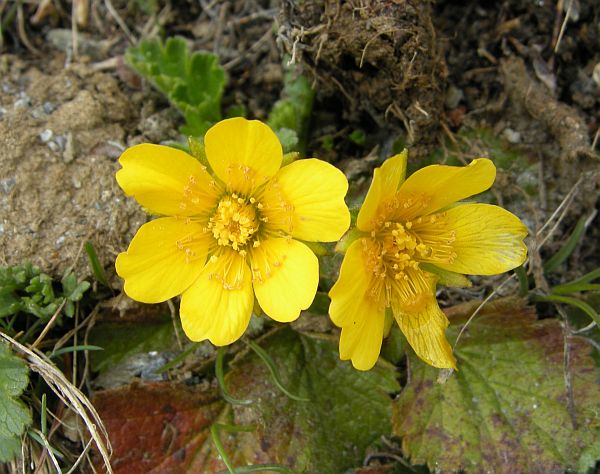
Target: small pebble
61, 141
7, 184
48, 107
46, 135
58, 243
512, 135
23, 101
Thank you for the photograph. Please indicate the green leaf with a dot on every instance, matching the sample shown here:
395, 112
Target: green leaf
347, 410
567, 249
14, 415
575, 302
72, 289
25, 289
288, 139
505, 410
193, 82
358, 136
122, 340
290, 115
583, 283
10, 447
95, 264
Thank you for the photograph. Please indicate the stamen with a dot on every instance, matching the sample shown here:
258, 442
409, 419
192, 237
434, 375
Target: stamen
234, 223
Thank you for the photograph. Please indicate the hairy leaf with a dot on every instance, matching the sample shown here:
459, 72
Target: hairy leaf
507, 408
347, 410
193, 82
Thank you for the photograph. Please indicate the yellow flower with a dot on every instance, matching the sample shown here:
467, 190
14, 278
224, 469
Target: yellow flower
234, 230
410, 234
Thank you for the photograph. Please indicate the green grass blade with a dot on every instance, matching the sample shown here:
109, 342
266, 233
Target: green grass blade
261, 468
64, 350
95, 264
567, 249
523, 280
575, 302
43, 416
174, 362
568, 288
221, 381
266, 358
215, 431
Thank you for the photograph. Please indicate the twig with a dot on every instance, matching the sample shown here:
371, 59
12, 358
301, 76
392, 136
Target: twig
80, 458
595, 141
480, 307
173, 312
564, 26
74, 35
22, 31
590, 326
567, 368
111, 9
48, 449
49, 325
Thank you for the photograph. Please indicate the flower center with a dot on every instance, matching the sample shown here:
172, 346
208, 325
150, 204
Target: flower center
399, 250
234, 222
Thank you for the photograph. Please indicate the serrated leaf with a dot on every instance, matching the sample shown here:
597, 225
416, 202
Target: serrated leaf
193, 82
505, 410
14, 415
72, 289
347, 410
288, 139
10, 447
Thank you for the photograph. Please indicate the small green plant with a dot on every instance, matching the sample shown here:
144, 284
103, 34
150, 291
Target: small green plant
193, 82
31, 303
290, 115
25, 290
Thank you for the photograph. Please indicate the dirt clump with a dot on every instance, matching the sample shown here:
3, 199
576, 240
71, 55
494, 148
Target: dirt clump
62, 130
382, 57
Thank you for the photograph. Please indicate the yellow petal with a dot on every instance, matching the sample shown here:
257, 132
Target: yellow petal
285, 277
438, 186
425, 332
386, 181
417, 313
166, 181
360, 317
351, 286
361, 342
314, 191
164, 258
219, 304
244, 154
477, 239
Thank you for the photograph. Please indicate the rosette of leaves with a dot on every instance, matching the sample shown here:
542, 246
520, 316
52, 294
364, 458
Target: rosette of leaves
193, 82
24, 289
